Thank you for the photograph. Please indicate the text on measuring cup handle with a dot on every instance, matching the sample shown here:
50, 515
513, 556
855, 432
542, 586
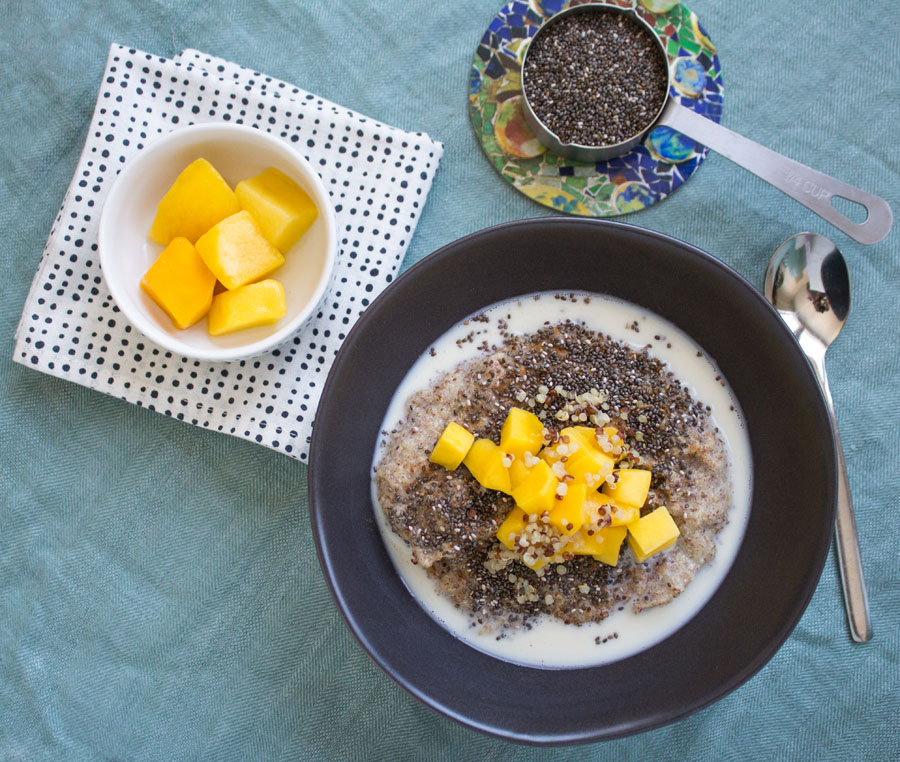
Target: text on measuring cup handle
807, 186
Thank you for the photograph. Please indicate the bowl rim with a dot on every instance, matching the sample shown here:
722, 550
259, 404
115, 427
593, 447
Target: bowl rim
330, 556
148, 327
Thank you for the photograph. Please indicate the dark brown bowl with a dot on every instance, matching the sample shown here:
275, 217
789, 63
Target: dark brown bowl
791, 517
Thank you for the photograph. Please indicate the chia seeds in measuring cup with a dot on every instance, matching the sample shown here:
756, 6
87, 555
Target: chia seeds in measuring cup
595, 77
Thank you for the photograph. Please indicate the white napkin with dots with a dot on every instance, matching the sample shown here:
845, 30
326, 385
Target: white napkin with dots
71, 327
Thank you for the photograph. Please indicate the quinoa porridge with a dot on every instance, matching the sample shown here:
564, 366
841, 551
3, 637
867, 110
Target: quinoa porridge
567, 358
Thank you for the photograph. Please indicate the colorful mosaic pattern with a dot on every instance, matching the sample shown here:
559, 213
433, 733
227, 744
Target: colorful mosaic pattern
625, 184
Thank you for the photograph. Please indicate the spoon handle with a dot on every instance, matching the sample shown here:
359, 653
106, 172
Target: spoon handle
856, 598
811, 188
849, 560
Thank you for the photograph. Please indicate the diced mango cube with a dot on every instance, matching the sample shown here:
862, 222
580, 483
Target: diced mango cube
540, 561
610, 542
587, 544
549, 455
571, 440
632, 486
522, 432
581, 455
247, 307
517, 471
558, 451
582, 434
610, 441
594, 508
485, 462
599, 507
513, 525
452, 446
180, 283
282, 208
198, 199
607, 441
589, 465
620, 514
567, 515
652, 533
237, 252
537, 491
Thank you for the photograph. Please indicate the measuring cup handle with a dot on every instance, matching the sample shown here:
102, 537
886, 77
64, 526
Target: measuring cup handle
811, 188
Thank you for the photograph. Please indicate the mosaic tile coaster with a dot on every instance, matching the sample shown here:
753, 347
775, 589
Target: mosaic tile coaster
625, 184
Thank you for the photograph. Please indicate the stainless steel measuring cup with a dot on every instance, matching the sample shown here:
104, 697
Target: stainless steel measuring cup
811, 188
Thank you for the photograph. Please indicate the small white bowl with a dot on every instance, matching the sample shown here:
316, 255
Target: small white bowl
126, 251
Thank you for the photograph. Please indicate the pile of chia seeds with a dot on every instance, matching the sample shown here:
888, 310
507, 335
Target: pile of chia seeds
595, 79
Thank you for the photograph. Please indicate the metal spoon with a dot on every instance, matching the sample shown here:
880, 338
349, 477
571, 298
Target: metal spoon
808, 282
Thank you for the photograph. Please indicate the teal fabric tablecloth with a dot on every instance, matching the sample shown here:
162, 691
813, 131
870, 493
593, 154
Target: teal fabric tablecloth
160, 596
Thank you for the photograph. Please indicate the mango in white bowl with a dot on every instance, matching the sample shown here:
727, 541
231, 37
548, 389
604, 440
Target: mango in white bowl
281, 208
197, 200
249, 306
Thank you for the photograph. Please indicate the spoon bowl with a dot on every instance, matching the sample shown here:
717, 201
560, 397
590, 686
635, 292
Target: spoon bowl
808, 282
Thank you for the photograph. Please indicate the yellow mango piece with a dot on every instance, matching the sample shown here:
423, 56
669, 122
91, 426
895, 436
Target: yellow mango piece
609, 541
522, 432
587, 436
631, 487
581, 455
537, 491
585, 544
571, 439
198, 199
567, 515
247, 307
598, 505
541, 561
237, 252
513, 525
517, 471
485, 462
652, 533
603, 509
582, 434
452, 446
180, 283
549, 455
589, 465
282, 208
610, 441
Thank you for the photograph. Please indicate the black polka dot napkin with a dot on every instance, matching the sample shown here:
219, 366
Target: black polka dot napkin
378, 178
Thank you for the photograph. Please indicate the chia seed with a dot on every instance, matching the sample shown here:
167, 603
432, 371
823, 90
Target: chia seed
595, 79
